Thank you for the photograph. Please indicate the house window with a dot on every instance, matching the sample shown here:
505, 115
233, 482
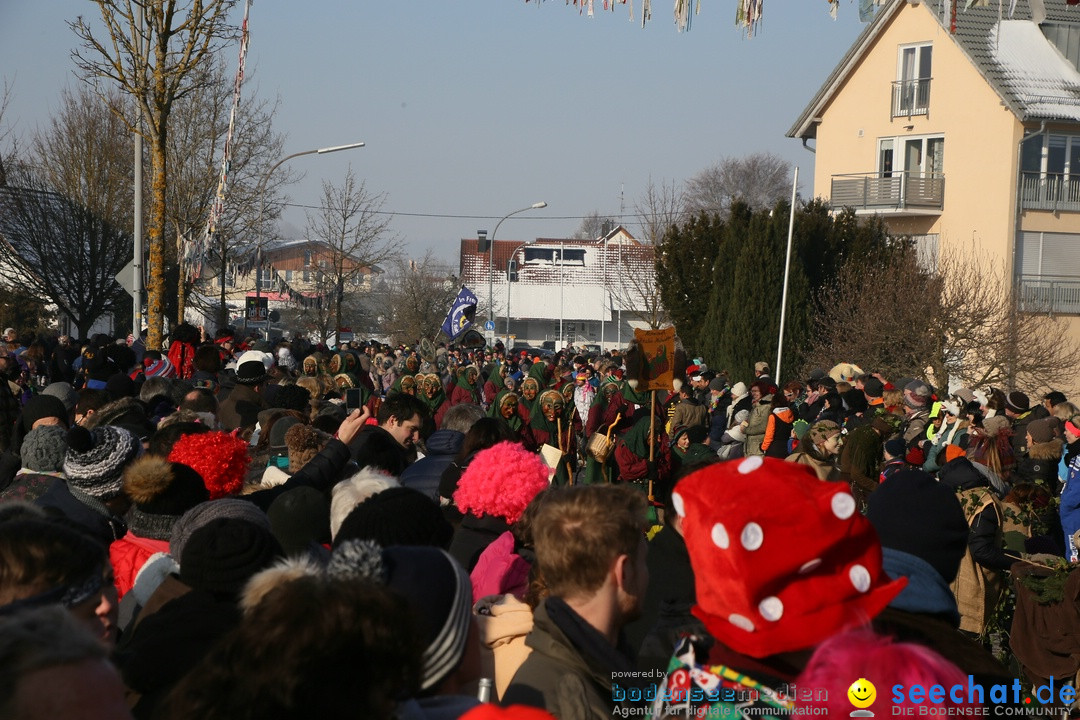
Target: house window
307, 276
911, 91
288, 276
916, 156
1050, 169
1049, 265
307, 258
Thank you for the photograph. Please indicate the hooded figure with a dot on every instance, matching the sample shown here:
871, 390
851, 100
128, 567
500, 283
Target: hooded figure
548, 427
507, 407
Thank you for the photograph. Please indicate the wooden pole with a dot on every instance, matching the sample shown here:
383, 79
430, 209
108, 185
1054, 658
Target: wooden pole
652, 439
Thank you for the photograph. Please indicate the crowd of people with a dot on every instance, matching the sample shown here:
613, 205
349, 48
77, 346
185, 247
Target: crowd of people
239, 528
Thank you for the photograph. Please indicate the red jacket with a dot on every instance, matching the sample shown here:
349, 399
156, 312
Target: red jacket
128, 555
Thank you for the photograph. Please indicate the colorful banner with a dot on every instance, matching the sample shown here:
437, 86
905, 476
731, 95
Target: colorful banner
658, 358
462, 312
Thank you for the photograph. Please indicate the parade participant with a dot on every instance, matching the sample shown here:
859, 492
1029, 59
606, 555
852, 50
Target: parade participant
431, 392
530, 398
507, 407
465, 390
547, 427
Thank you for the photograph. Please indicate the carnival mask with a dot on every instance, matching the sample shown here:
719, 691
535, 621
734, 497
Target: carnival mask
610, 389
470, 376
408, 384
432, 385
529, 388
412, 364
508, 405
551, 404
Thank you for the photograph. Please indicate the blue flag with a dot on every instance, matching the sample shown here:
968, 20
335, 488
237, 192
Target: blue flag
461, 314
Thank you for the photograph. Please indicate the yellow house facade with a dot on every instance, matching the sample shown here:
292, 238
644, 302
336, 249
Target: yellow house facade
959, 129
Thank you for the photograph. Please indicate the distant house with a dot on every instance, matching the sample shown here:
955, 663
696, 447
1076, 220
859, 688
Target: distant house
598, 290
964, 129
297, 272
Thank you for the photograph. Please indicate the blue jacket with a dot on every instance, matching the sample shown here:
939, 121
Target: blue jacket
1070, 500
424, 474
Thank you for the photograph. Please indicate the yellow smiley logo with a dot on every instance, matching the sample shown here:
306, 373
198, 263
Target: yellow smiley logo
862, 693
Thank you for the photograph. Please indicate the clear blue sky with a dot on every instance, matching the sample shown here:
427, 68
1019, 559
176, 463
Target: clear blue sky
481, 107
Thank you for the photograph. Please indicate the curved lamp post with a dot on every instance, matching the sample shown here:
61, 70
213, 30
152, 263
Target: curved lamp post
491, 254
262, 198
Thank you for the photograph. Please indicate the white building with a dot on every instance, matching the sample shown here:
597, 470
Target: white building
582, 291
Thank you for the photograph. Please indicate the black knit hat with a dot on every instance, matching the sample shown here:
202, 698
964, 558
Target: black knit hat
915, 514
873, 387
299, 518
205, 513
1018, 402
161, 491
397, 516
221, 556
43, 448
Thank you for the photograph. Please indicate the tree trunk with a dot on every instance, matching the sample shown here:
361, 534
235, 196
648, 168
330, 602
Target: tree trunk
156, 292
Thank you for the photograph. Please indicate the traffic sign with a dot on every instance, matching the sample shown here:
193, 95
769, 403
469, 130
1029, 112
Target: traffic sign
489, 325
256, 308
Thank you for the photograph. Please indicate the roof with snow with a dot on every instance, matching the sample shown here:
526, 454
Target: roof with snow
1026, 69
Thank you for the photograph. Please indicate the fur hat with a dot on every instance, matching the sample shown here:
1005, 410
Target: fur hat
219, 457
995, 424
303, 442
43, 448
1017, 402
778, 576
222, 555
160, 492
207, 512
501, 481
397, 516
95, 459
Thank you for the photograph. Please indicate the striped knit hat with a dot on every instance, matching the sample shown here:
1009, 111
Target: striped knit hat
96, 459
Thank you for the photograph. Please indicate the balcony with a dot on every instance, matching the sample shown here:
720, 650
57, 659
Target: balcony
911, 98
1049, 191
896, 193
1049, 294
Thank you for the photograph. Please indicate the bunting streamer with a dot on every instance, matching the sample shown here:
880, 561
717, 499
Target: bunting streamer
195, 252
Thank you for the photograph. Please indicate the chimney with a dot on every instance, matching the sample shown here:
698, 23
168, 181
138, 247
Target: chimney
606, 227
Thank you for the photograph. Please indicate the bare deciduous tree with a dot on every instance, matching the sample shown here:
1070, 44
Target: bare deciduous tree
157, 52
955, 323
419, 294
594, 225
759, 179
351, 223
59, 249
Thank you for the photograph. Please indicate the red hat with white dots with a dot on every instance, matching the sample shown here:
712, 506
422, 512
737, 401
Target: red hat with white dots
781, 559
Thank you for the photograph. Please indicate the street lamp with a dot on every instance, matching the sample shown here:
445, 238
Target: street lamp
491, 254
262, 199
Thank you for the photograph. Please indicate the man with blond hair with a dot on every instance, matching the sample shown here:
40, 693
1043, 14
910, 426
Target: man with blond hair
590, 557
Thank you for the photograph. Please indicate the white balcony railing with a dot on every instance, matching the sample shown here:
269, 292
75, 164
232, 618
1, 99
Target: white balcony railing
1049, 191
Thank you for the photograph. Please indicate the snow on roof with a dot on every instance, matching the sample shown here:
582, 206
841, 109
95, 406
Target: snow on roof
1035, 71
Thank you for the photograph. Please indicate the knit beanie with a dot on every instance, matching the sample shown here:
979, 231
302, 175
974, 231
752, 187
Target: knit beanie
434, 586
953, 451
221, 556
276, 437
717, 385
1017, 402
822, 430
43, 448
95, 459
120, 386
219, 457
207, 512
40, 407
501, 481
895, 447
64, 393
160, 492
800, 427
303, 442
299, 518
995, 424
915, 514
916, 394
1042, 430
397, 516
872, 387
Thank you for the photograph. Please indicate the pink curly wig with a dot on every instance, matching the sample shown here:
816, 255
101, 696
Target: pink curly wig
500, 481
219, 457
862, 653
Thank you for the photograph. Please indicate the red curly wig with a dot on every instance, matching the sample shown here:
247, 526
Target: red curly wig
219, 457
500, 481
